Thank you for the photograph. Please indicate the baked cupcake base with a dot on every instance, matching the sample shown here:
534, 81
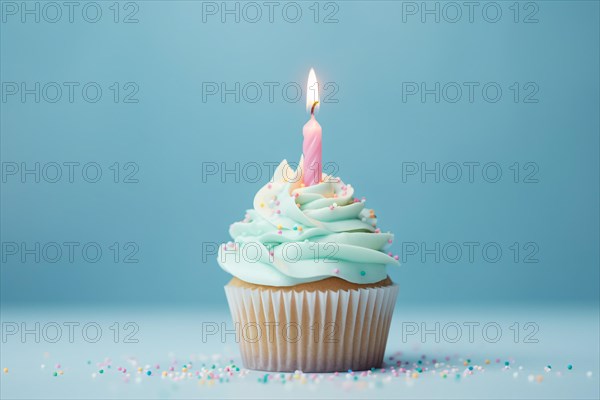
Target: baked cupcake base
325, 326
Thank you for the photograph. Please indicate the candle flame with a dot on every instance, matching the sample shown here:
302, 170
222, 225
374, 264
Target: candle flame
312, 91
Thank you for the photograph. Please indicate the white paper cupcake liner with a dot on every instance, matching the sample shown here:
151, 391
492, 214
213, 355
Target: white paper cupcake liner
318, 331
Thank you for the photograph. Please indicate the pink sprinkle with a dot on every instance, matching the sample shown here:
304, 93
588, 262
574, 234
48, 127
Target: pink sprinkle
278, 211
356, 200
279, 232
331, 207
157, 366
389, 240
269, 186
277, 202
396, 258
171, 369
124, 370
379, 231
336, 373
57, 366
390, 254
364, 373
120, 369
271, 253
497, 360
336, 271
296, 194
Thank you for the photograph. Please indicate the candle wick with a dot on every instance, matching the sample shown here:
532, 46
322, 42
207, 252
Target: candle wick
312, 110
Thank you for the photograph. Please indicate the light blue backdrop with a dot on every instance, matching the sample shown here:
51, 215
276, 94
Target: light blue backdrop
374, 57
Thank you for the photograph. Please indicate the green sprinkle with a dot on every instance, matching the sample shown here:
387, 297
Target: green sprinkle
506, 363
469, 360
55, 374
101, 371
569, 366
362, 273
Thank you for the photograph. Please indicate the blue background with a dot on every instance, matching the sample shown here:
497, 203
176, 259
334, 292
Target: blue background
368, 133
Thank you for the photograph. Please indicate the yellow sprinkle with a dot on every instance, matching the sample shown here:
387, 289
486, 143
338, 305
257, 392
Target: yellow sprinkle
299, 228
487, 361
5, 370
164, 373
139, 369
60, 372
279, 227
415, 375
262, 205
465, 363
184, 369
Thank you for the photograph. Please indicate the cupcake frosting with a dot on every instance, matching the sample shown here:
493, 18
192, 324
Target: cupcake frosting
297, 234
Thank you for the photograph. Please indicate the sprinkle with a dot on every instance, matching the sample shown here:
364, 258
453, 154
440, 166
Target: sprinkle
300, 228
279, 227
295, 227
149, 373
362, 273
101, 371
262, 205
487, 361
5, 370
389, 240
164, 373
278, 211
569, 367
396, 257
539, 378
506, 363
269, 186
336, 271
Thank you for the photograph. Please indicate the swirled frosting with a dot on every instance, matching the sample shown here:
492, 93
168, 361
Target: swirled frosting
296, 234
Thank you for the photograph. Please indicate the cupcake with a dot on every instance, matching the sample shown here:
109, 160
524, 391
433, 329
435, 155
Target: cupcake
310, 290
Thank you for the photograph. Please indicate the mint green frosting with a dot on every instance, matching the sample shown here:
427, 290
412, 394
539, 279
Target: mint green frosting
298, 234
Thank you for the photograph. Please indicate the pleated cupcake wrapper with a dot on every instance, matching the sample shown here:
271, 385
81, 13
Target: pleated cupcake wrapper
318, 331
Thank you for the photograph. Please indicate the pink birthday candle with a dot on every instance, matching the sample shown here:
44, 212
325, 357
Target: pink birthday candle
312, 145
